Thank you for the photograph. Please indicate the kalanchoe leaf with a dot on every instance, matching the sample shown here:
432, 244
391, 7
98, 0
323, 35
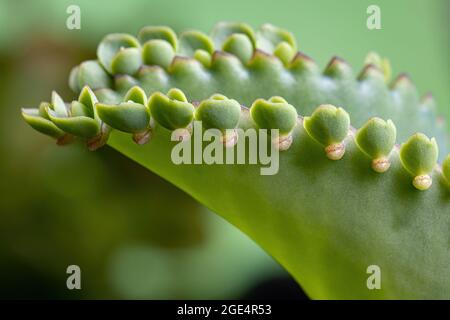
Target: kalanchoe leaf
285, 52
446, 168
58, 105
191, 41
223, 30
111, 45
125, 82
377, 139
42, 110
419, 154
275, 113
177, 94
108, 96
301, 63
203, 57
158, 52
329, 126
158, 32
239, 45
382, 64
218, 112
269, 37
77, 109
128, 117
171, 111
41, 124
79, 126
337, 68
88, 99
127, 61
136, 94
89, 73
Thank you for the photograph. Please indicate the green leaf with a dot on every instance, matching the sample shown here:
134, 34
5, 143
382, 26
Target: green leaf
45, 126
274, 113
158, 32
158, 52
172, 111
127, 116
191, 41
111, 45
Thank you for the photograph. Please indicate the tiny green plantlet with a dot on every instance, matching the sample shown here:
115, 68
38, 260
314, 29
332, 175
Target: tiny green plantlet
346, 196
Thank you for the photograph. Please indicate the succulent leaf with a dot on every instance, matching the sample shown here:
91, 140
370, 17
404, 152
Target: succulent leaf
239, 45
111, 45
91, 74
275, 113
158, 33
127, 61
126, 116
223, 30
191, 41
43, 125
328, 125
218, 112
158, 52
269, 37
419, 156
171, 111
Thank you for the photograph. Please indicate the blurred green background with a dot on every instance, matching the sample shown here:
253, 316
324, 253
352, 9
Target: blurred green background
133, 234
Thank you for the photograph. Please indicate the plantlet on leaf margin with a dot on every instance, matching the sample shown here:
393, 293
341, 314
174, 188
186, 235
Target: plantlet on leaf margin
419, 156
130, 116
329, 126
377, 139
219, 112
275, 113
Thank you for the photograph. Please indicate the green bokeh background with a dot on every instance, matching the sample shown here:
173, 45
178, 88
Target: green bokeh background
134, 235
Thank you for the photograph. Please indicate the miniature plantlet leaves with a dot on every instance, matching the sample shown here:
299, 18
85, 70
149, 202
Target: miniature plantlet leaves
223, 30
111, 45
88, 99
126, 116
89, 73
285, 52
37, 122
328, 125
239, 45
158, 33
158, 52
218, 112
269, 37
275, 113
79, 126
58, 105
377, 137
192, 40
136, 94
127, 61
419, 154
171, 111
